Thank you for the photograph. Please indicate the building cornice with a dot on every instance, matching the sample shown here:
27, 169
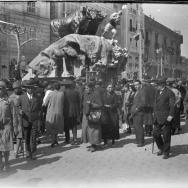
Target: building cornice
165, 29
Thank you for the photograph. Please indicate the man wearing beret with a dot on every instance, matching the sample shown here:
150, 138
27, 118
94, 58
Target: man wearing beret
163, 116
29, 110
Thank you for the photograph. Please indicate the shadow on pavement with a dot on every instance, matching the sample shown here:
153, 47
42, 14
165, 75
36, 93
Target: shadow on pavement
178, 150
29, 166
122, 142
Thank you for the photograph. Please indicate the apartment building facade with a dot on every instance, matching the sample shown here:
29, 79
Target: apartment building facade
34, 17
162, 50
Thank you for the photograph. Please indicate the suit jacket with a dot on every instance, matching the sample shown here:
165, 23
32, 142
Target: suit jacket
71, 103
30, 109
164, 105
139, 102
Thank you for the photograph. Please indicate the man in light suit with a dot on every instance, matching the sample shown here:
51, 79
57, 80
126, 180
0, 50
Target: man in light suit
29, 110
163, 116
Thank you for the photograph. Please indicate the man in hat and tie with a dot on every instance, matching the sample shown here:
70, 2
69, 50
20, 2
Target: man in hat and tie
163, 116
29, 110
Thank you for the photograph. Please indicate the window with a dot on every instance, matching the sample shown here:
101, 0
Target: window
156, 37
147, 38
156, 45
130, 25
31, 7
165, 41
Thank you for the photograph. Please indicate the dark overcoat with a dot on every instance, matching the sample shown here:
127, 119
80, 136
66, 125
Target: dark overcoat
71, 103
164, 105
110, 124
30, 109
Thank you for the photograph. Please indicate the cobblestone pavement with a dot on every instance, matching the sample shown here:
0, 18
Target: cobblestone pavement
117, 166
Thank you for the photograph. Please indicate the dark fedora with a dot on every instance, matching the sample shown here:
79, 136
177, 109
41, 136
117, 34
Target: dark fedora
67, 82
161, 81
28, 83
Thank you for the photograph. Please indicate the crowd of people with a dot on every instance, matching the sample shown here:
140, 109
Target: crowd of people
32, 109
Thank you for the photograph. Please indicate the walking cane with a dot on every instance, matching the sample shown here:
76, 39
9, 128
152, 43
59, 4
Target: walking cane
153, 142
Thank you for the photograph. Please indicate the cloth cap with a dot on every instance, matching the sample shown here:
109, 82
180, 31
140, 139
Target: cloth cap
2, 84
16, 84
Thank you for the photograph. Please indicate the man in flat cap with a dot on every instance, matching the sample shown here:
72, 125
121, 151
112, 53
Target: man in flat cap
163, 116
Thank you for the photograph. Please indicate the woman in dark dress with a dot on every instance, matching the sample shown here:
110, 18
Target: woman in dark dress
95, 104
110, 122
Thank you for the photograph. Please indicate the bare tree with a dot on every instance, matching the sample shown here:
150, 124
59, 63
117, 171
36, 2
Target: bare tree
16, 31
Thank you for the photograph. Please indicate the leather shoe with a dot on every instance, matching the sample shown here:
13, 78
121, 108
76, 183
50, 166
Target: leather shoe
165, 156
140, 145
160, 152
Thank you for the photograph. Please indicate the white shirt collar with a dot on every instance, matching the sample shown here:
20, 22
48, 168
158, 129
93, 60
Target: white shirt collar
30, 96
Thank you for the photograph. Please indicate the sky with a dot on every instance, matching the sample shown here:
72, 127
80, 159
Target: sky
174, 16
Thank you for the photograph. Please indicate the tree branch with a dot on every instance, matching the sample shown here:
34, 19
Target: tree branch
27, 41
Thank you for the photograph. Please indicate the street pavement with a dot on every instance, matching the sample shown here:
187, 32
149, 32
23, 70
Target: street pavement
115, 166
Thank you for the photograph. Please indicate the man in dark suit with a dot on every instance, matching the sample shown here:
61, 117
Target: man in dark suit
163, 115
29, 110
71, 111
148, 109
137, 112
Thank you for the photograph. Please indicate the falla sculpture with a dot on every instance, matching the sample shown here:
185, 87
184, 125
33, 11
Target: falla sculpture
80, 44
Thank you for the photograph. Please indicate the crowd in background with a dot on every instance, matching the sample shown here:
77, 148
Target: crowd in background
33, 108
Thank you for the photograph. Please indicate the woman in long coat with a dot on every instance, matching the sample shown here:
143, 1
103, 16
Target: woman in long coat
110, 122
6, 142
54, 115
17, 120
94, 129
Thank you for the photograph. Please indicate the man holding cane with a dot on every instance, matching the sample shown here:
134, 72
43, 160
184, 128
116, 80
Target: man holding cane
163, 115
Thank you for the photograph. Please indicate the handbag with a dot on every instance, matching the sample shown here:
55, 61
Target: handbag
94, 116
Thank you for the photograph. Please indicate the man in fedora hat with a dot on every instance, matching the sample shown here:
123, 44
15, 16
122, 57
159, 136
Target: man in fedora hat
29, 110
163, 116
17, 120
